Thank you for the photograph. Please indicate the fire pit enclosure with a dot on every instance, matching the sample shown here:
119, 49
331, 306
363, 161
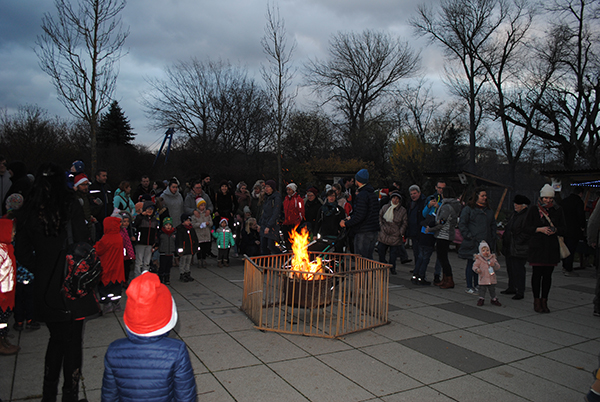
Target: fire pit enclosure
351, 296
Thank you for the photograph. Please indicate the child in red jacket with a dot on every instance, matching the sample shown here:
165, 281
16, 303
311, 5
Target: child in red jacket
8, 276
110, 251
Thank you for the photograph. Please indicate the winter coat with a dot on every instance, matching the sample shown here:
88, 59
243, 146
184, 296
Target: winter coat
189, 204
224, 237
272, 208
330, 215
481, 267
365, 214
243, 200
187, 241
152, 369
515, 242
476, 224
544, 249
415, 216
8, 266
446, 218
593, 226
44, 256
123, 202
293, 209
110, 251
225, 206
202, 231
104, 193
256, 205
311, 210
391, 232
174, 203
167, 242
147, 228
140, 191
248, 243
574, 211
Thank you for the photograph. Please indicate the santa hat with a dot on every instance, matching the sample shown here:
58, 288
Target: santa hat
150, 309
223, 219
80, 179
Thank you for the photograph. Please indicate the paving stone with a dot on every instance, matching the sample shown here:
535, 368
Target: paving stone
193, 323
269, 346
420, 322
220, 352
396, 331
474, 312
317, 346
319, 382
450, 354
471, 389
456, 320
210, 390
580, 288
418, 394
556, 372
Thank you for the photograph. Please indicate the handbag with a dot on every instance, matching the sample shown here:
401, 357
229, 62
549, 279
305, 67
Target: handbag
564, 250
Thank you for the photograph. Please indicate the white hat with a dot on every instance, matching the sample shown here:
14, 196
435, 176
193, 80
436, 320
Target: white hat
547, 191
293, 186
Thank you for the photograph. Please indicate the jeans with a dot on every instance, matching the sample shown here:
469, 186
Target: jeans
422, 261
364, 244
472, 277
415, 246
394, 251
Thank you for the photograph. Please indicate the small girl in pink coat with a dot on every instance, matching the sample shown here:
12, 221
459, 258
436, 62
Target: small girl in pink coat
485, 266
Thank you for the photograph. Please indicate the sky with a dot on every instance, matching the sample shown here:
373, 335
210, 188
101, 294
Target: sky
166, 31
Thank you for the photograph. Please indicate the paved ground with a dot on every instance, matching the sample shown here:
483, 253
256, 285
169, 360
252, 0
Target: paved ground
439, 346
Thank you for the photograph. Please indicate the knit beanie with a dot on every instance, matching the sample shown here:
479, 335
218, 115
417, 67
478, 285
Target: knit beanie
293, 186
313, 190
547, 191
272, 184
80, 179
168, 220
184, 217
362, 176
79, 166
200, 201
150, 309
521, 200
482, 245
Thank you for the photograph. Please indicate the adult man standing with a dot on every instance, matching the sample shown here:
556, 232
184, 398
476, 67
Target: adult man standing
432, 203
364, 221
268, 225
143, 188
207, 188
81, 185
189, 204
103, 199
415, 217
574, 211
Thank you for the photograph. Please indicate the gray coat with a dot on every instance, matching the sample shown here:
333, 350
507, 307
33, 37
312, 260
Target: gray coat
189, 204
476, 224
174, 203
446, 219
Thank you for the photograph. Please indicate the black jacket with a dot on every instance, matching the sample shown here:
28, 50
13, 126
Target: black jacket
544, 249
574, 210
515, 241
365, 213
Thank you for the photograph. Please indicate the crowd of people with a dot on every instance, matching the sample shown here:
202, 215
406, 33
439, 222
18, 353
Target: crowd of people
164, 224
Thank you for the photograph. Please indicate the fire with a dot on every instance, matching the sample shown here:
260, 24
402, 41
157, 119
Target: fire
300, 261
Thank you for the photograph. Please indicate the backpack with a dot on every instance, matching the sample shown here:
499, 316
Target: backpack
82, 269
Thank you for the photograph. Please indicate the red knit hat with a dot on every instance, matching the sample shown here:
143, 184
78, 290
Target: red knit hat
150, 309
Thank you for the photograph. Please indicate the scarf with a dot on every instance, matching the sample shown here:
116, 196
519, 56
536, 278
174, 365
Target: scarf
389, 214
129, 252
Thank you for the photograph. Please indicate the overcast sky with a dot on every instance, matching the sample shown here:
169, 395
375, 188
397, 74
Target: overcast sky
163, 32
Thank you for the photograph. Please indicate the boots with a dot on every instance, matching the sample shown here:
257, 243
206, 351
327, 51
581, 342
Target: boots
449, 284
544, 306
440, 283
537, 305
7, 348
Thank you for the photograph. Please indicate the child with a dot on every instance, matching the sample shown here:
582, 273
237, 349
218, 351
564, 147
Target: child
187, 246
202, 223
485, 266
110, 251
250, 244
148, 365
146, 224
167, 248
224, 242
8, 273
128, 239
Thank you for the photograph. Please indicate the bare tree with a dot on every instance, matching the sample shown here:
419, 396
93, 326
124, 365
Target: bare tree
278, 75
463, 28
358, 77
79, 49
559, 100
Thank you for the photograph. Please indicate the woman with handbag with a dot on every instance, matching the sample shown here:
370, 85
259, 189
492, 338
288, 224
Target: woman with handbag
41, 243
545, 222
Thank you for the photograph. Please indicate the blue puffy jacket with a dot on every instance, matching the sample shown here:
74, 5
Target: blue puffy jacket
365, 213
153, 369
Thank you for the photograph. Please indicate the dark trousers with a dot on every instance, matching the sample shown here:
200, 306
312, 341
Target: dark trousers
24, 305
267, 246
223, 255
515, 267
541, 279
127, 265
414, 241
164, 267
110, 293
204, 250
472, 277
394, 252
571, 244
422, 261
63, 351
442, 247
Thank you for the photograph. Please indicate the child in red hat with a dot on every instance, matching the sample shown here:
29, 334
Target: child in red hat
148, 365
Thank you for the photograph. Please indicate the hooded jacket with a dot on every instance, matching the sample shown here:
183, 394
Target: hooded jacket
8, 266
481, 266
293, 209
186, 240
476, 224
446, 218
152, 369
174, 203
110, 251
224, 237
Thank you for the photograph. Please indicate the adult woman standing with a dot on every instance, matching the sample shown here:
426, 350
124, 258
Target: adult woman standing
477, 223
393, 221
122, 199
515, 245
40, 245
544, 223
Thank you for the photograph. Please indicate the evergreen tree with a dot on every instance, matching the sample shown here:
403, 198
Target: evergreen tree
114, 127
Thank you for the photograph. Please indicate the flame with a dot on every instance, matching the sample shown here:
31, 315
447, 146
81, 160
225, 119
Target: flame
300, 261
